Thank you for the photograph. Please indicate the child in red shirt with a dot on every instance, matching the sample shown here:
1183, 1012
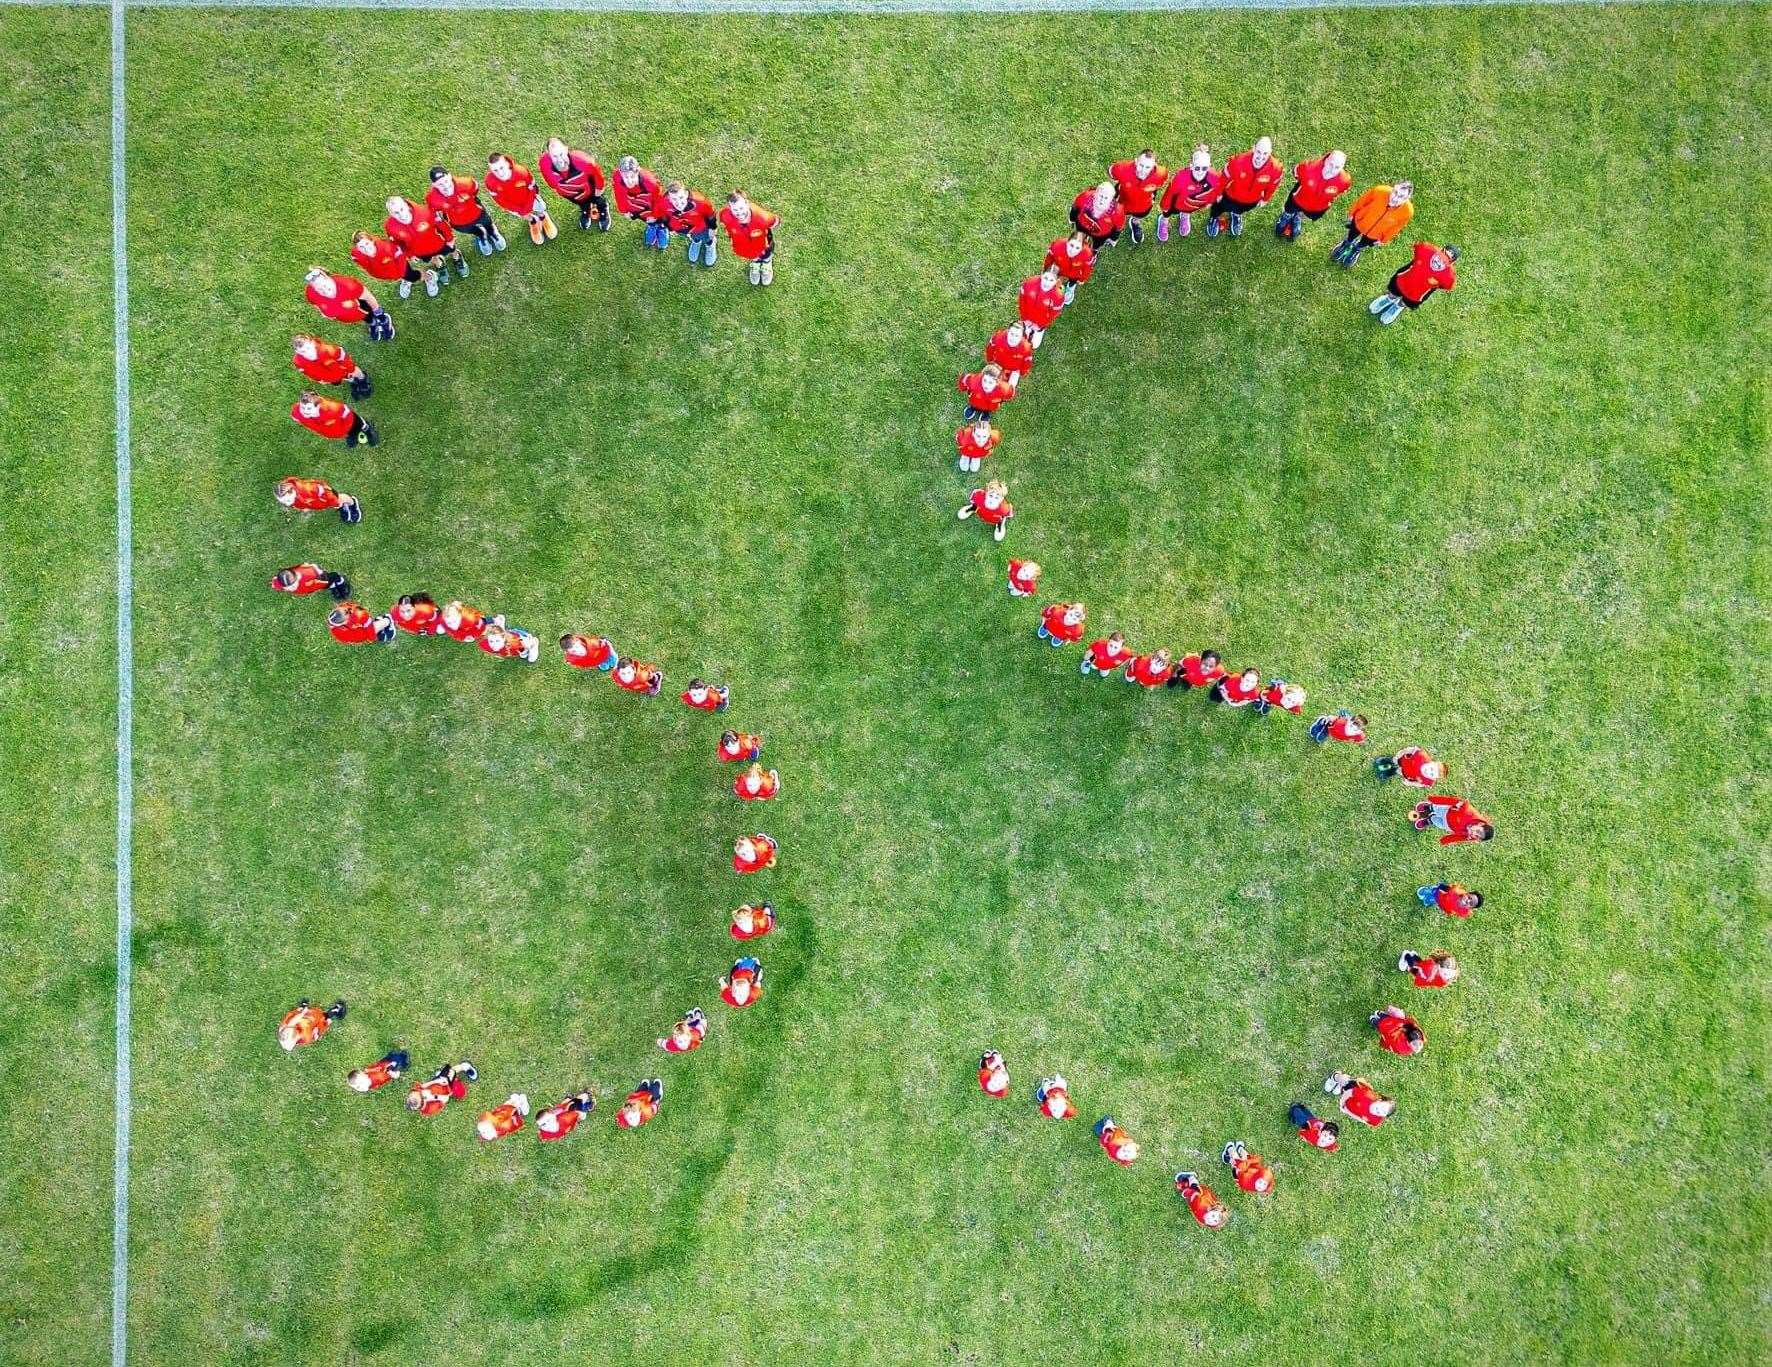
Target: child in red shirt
334, 419
1318, 185
418, 614
1436, 970
588, 652
1450, 898
993, 1074
1319, 1134
1237, 690
751, 230
1061, 624
346, 299
1343, 726
687, 1034
1251, 1174
986, 391
1024, 577
561, 1119
316, 496
1196, 187
1010, 351
1040, 301
754, 853
705, 697
1413, 765
1150, 671
1429, 269
447, 1084
1053, 1098
504, 1119
976, 440
1074, 259
742, 986
1116, 1143
752, 920
461, 622
379, 1074
991, 506
352, 624
1204, 1206
304, 1024
1106, 655
737, 746
755, 785
1288, 697
636, 676
1359, 1100
1198, 670
509, 643
382, 258
641, 1104
1462, 822
1397, 1031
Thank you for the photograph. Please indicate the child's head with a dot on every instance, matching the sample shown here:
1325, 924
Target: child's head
1014, 333
499, 164
1208, 658
1249, 678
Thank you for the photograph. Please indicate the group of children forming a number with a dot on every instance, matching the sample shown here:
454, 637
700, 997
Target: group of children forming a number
741, 987
421, 243
1101, 216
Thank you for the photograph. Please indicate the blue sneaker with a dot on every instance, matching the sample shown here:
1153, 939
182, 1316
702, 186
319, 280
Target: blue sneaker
1212, 226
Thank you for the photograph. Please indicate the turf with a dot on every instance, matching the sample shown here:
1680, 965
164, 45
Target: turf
1525, 527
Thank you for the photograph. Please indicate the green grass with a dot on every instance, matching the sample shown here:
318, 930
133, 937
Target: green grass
1525, 527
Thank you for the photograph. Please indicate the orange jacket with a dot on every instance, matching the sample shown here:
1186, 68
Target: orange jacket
1374, 216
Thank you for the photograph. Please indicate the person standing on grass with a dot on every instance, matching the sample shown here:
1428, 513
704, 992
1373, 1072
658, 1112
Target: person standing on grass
1461, 822
993, 1074
352, 624
705, 697
1436, 970
334, 419
1196, 188
975, 440
1150, 671
1097, 214
1397, 1031
1106, 655
756, 784
1116, 1143
1061, 624
417, 614
1451, 898
752, 920
1359, 1099
1413, 765
986, 391
1317, 186
1377, 217
1251, 1173
742, 985
577, 179
1429, 270
304, 1024
379, 1074
447, 1084
688, 212
750, 228
463, 623
739, 747
1250, 179
1040, 301
1237, 690
1345, 726
1024, 578
588, 652
512, 188
991, 506
636, 191
426, 237
316, 496
457, 199
1199, 669
1201, 1203
346, 299
1136, 183
641, 1104
1053, 1097
307, 577
636, 676
561, 1119
1319, 1134
327, 363
504, 1119
1074, 259
381, 258
687, 1034
1011, 352
754, 853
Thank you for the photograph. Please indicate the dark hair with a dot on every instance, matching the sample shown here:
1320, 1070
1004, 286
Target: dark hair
1488, 831
1412, 1033
697, 683
729, 738
565, 640
438, 172
1146, 152
1211, 655
1331, 1129
1451, 252
1360, 720
1476, 899
624, 660
675, 187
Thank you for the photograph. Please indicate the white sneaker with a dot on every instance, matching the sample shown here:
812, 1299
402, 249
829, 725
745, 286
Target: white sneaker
405, 289
756, 274
431, 283
709, 255
768, 272
498, 241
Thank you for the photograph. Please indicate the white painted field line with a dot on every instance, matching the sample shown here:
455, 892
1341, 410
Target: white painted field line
811, 7
125, 704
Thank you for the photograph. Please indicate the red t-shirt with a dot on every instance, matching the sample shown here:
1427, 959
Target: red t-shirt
743, 975
1024, 575
1358, 1101
1136, 192
380, 258
427, 235
471, 627
1079, 267
969, 445
312, 495
1410, 763
749, 240
1233, 691
1245, 184
557, 1121
1315, 192
308, 579
1017, 360
346, 306
1039, 305
767, 786
1146, 671
1253, 1175
1056, 626
596, 650
1429, 269
1194, 670
420, 617
351, 623
516, 192
331, 364
462, 206
1391, 1036
333, 420
636, 200
985, 400
696, 215
1105, 656
762, 857
987, 514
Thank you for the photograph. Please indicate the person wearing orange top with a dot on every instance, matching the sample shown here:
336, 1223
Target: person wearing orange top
417, 614
352, 624
739, 747
1251, 1174
457, 199
750, 228
1451, 898
1150, 671
756, 785
991, 506
993, 1074
462, 623
425, 236
1237, 690
986, 391
379, 1074
1456, 816
705, 697
1250, 179
753, 853
687, 1034
636, 676
641, 1104
1196, 187
1024, 578
1359, 1099
1136, 183
1053, 1098
1429, 270
1206, 1208
689, 213
333, 419
307, 577
316, 496
506, 1118
1106, 655
1074, 260
512, 187
1011, 352
1061, 624
1040, 300
447, 1084
742, 984
1199, 669
1116, 1143
509, 643
328, 363
561, 1119
752, 920
304, 1024
1413, 765
975, 440
1317, 186
1377, 217
1438, 969
1397, 1031
589, 652
1349, 727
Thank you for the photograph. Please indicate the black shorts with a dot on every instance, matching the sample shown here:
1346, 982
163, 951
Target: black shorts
1391, 289
481, 227
1227, 205
1292, 207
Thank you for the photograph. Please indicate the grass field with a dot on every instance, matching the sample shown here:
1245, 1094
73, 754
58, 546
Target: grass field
1525, 527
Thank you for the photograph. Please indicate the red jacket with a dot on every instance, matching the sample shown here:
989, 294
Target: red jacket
1429, 269
581, 179
1079, 267
1136, 193
636, 200
346, 306
333, 421
1016, 360
1107, 224
1039, 305
1245, 185
1185, 195
427, 235
1314, 191
987, 401
696, 215
331, 364
515, 194
750, 240
382, 259
460, 208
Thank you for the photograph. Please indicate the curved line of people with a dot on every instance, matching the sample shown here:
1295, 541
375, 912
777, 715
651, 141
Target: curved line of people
1101, 215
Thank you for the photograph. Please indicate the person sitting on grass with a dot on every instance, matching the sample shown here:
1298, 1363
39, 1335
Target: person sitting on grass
561, 1119
304, 1024
1413, 765
752, 920
1116, 1143
641, 1104
1451, 898
687, 1034
756, 784
1204, 1206
1461, 822
742, 984
1053, 1097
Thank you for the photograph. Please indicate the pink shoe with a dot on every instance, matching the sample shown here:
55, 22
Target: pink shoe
1162, 227
1187, 224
